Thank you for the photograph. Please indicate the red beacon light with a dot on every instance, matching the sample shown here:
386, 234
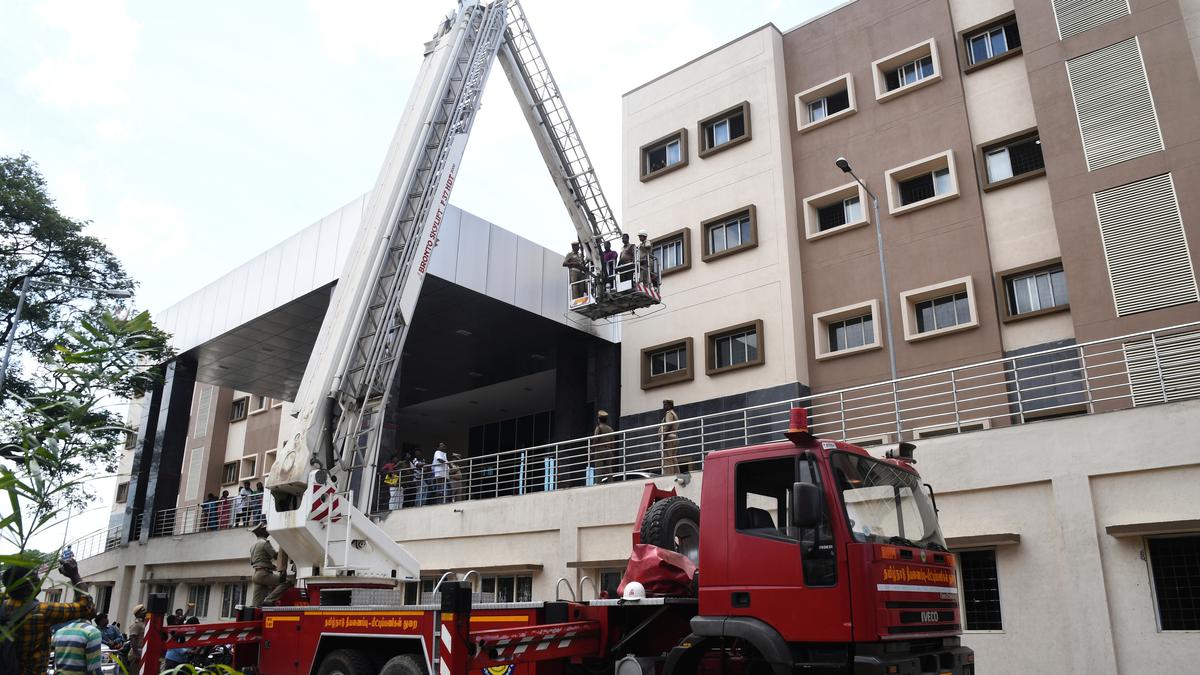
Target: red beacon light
797, 431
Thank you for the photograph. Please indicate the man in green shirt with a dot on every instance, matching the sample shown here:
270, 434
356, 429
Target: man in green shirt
77, 648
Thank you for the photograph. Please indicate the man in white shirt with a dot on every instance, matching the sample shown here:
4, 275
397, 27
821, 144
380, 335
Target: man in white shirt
441, 474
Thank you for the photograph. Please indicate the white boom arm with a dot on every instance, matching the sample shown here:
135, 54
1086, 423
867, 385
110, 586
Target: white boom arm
322, 483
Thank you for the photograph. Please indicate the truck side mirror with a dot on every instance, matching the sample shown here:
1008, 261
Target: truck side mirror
807, 501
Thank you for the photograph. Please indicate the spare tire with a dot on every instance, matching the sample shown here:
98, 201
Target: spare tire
674, 524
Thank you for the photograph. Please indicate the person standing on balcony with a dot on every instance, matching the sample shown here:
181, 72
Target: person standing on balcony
225, 511
260, 513
391, 482
419, 478
266, 577
670, 441
603, 457
441, 474
242, 506
208, 512
456, 476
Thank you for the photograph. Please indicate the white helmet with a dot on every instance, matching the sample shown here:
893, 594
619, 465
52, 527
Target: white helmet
634, 591
642, 233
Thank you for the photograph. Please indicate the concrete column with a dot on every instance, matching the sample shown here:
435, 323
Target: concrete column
606, 360
1087, 621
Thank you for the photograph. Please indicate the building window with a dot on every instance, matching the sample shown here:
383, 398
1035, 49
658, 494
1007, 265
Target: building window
942, 308
664, 155
232, 595
238, 410
735, 347
825, 103
122, 492
249, 467
261, 403
906, 70
1034, 290
131, 439
981, 590
508, 588
833, 211
942, 313
673, 251
610, 581
988, 43
1012, 159
163, 589
229, 473
846, 330
922, 183
1175, 568
667, 363
725, 129
729, 233
198, 596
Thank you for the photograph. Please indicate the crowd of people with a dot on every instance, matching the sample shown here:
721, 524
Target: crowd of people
615, 266
238, 510
411, 481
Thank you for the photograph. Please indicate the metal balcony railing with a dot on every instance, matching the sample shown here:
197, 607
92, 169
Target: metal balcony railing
96, 542
1117, 373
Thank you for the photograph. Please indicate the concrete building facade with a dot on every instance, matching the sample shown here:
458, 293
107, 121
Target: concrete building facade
1035, 165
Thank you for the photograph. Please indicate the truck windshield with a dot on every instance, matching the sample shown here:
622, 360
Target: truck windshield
885, 504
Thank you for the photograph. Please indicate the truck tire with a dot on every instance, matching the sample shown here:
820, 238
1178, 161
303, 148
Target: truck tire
674, 524
405, 664
346, 662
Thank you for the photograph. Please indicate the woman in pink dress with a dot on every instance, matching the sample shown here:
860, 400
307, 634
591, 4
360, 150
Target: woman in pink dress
225, 511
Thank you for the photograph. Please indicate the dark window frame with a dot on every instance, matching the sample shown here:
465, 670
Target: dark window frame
701, 128
964, 56
829, 326
686, 374
933, 304
1156, 583
1002, 296
710, 352
122, 495
986, 184
242, 402
708, 255
645, 175
999, 602
236, 464
685, 234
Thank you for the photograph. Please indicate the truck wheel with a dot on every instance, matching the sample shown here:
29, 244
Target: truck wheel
346, 662
674, 524
405, 664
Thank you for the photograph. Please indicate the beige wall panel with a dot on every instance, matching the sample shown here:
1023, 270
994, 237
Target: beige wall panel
968, 13
998, 100
1037, 331
1020, 225
606, 542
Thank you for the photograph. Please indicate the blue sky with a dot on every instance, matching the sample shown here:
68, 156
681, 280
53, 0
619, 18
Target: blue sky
195, 135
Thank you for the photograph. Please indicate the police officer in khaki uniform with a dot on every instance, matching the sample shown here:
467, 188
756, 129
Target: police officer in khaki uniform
266, 577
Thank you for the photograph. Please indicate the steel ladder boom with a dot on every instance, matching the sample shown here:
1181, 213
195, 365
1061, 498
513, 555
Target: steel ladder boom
362, 388
556, 136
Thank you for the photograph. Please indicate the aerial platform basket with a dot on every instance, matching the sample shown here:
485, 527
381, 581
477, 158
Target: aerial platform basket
623, 288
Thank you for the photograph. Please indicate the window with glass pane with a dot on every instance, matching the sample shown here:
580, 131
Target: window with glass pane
993, 42
662, 156
943, 312
1035, 291
828, 105
669, 253
839, 213
198, 595
911, 73
232, 595
721, 131
981, 590
925, 186
816, 110
735, 348
851, 333
668, 361
1017, 158
1175, 567
729, 234
524, 589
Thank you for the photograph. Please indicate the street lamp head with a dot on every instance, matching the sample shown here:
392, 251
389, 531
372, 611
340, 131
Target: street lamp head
116, 293
842, 164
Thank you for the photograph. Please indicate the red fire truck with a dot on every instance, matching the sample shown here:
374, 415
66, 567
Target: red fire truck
811, 556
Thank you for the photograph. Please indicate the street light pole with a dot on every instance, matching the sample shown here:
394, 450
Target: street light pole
12, 331
887, 304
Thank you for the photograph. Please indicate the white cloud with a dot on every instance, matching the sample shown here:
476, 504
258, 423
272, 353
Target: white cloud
144, 232
352, 29
112, 130
96, 65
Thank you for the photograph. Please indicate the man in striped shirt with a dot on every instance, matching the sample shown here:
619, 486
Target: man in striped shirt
77, 648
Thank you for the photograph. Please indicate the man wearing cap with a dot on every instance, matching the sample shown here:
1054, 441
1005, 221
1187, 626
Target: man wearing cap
137, 635
670, 439
602, 449
576, 271
643, 257
625, 258
266, 577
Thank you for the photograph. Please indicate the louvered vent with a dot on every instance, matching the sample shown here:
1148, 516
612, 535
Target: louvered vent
1145, 248
203, 412
1176, 360
195, 468
1076, 16
1113, 105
